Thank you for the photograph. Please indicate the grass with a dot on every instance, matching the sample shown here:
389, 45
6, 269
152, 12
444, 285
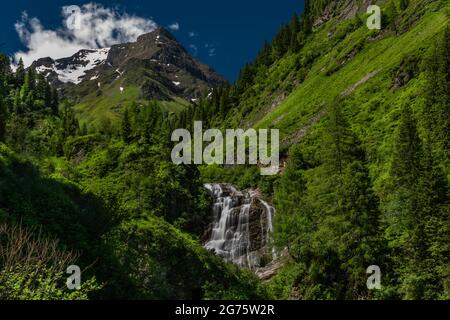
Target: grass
110, 103
320, 90
372, 107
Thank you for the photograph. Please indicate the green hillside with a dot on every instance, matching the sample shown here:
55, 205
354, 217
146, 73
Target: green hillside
347, 101
107, 105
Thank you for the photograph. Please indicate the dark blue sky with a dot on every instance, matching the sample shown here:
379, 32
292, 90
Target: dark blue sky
235, 28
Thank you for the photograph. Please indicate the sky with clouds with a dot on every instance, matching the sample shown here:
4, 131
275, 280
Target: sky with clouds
225, 35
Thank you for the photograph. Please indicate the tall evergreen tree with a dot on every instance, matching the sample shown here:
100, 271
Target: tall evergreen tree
126, 126
437, 95
392, 16
418, 193
353, 209
295, 29
404, 4
405, 167
20, 73
48, 97
70, 123
281, 42
341, 144
54, 101
265, 55
17, 102
31, 73
2, 119
291, 219
5, 66
429, 243
330, 222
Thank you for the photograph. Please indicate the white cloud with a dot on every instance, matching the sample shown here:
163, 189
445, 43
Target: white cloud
194, 49
212, 51
95, 27
174, 26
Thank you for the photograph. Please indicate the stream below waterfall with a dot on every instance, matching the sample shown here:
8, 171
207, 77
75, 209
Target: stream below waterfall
241, 231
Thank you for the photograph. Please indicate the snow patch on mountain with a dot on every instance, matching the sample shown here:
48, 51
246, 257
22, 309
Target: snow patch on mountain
75, 72
74, 69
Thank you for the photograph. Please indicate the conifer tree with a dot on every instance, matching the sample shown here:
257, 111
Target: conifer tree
2, 119
429, 243
392, 16
224, 101
414, 189
84, 129
41, 85
70, 123
405, 167
4, 89
404, 4
126, 126
25, 89
295, 29
353, 209
331, 222
48, 97
282, 41
54, 101
17, 102
289, 191
265, 55
306, 19
31, 73
5, 66
341, 144
437, 95
20, 73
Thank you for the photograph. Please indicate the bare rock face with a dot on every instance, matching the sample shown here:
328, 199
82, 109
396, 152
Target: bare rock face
242, 226
342, 9
273, 267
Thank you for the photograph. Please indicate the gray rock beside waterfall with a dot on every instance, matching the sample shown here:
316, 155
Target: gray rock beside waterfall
241, 226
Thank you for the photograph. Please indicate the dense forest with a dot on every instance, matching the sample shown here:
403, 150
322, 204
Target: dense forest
110, 201
365, 180
340, 209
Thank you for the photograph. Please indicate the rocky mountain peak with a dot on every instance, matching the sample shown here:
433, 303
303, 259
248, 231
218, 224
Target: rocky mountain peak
157, 34
156, 63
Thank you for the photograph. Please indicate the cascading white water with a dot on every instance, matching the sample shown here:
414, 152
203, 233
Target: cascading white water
270, 211
230, 235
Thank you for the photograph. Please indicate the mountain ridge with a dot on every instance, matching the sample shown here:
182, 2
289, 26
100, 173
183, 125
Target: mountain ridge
154, 67
158, 46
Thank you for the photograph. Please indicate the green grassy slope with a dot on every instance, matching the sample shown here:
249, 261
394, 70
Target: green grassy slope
350, 63
109, 103
374, 62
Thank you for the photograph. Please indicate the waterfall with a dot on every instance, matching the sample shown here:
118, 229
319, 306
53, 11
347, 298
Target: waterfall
242, 225
270, 211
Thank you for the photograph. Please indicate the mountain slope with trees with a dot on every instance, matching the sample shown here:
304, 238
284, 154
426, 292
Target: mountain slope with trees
364, 122
111, 202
